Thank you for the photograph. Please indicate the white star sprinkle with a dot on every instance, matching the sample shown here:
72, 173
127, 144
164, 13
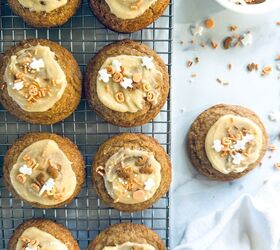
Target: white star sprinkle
48, 186
247, 39
37, 64
24, 169
149, 184
126, 83
116, 65
104, 76
217, 146
196, 30
237, 158
148, 62
18, 85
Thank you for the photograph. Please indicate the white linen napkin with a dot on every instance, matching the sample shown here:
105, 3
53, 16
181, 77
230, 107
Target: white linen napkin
249, 223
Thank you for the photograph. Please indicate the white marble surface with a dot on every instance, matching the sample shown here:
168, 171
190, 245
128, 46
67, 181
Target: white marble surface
192, 195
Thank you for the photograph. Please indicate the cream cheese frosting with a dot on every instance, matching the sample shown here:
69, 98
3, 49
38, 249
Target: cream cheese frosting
129, 9
35, 239
131, 175
42, 5
233, 143
35, 80
130, 246
43, 174
125, 83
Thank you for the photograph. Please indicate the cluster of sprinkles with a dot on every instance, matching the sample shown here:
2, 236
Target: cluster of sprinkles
127, 176
29, 244
236, 145
26, 79
41, 184
229, 42
117, 73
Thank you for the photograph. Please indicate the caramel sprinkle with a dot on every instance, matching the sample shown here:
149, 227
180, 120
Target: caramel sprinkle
209, 23
151, 96
21, 178
119, 97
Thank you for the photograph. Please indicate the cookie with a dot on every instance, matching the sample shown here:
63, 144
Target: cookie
130, 172
127, 83
42, 82
42, 234
128, 16
225, 142
127, 236
44, 170
46, 13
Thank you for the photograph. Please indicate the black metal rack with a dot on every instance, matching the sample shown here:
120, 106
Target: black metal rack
86, 216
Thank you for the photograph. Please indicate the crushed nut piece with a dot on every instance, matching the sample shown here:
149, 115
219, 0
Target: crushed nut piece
146, 169
266, 70
227, 42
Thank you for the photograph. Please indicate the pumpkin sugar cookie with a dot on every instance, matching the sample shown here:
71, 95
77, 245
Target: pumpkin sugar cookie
39, 79
46, 13
42, 234
127, 236
130, 172
225, 142
127, 83
128, 16
44, 170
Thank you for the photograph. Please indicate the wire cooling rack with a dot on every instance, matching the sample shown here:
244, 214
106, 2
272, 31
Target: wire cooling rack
86, 216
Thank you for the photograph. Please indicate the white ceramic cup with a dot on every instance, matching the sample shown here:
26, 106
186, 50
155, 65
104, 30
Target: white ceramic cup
251, 9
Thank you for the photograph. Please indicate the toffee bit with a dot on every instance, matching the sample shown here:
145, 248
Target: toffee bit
277, 165
278, 23
233, 28
266, 70
21, 178
197, 60
252, 66
229, 66
209, 23
189, 63
227, 42
214, 45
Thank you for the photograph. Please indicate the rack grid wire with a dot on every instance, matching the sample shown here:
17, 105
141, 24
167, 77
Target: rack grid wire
87, 215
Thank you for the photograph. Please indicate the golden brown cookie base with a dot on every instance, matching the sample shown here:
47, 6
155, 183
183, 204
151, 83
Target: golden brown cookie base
67, 146
56, 230
124, 232
42, 19
113, 145
125, 47
102, 11
70, 98
198, 132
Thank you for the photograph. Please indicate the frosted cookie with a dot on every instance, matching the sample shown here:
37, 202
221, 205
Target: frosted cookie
131, 172
126, 236
225, 142
43, 169
128, 15
45, 13
127, 83
42, 234
42, 82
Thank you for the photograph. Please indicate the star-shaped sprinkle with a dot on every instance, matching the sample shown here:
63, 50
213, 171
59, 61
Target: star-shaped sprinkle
18, 85
104, 76
117, 65
148, 62
24, 169
48, 186
237, 158
149, 184
274, 116
126, 83
247, 39
196, 30
217, 146
37, 64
